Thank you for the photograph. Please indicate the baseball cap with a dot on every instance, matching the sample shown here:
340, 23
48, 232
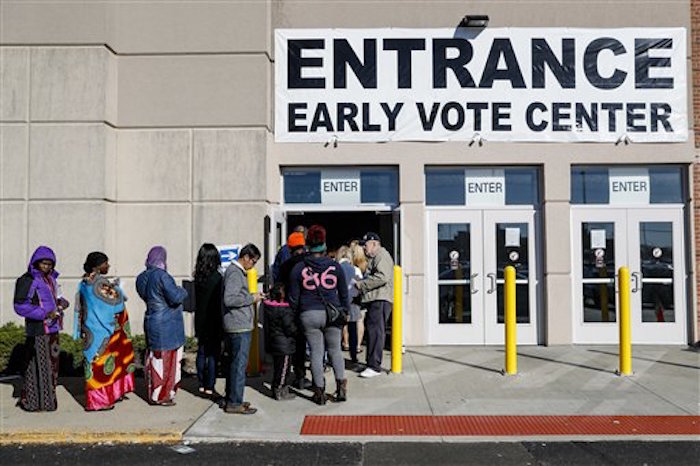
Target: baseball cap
295, 240
370, 236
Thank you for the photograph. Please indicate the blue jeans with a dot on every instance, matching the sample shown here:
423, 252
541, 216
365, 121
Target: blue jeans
206, 367
238, 346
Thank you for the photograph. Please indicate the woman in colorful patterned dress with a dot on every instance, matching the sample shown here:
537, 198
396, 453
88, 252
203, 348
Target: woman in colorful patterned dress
164, 326
38, 299
103, 323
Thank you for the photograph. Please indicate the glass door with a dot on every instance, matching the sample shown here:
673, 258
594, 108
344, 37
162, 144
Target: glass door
650, 242
658, 275
509, 239
455, 278
599, 249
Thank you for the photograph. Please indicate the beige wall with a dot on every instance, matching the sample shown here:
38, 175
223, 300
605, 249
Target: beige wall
128, 124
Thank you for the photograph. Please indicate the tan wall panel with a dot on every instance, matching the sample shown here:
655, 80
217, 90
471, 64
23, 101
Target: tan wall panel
229, 165
557, 238
68, 161
153, 165
13, 161
139, 27
14, 86
558, 309
13, 241
193, 91
192, 26
142, 226
71, 229
228, 223
53, 22
69, 83
502, 13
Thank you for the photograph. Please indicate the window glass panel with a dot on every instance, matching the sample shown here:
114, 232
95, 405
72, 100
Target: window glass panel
656, 257
444, 187
598, 250
589, 185
599, 302
666, 185
455, 304
302, 187
454, 251
379, 186
521, 186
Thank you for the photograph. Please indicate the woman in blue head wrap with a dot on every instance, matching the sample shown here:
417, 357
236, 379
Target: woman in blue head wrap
164, 327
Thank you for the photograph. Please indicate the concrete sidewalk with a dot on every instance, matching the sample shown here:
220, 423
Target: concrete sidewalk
436, 381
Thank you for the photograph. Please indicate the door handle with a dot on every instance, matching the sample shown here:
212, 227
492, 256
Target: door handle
472, 288
636, 280
492, 278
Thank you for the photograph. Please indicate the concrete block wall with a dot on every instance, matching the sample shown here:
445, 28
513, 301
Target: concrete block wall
152, 131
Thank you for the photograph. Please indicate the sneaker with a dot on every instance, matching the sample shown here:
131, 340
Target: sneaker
369, 373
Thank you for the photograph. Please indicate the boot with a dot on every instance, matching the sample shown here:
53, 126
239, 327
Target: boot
283, 394
341, 393
319, 396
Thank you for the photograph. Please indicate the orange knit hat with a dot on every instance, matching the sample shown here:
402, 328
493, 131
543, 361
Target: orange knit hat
295, 240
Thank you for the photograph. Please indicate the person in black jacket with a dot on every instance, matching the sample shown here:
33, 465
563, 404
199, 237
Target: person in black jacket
280, 339
297, 248
207, 316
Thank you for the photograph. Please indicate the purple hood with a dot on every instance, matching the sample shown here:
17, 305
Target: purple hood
42, 253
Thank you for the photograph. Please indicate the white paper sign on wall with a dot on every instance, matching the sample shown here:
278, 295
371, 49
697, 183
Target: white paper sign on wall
485, 187
629, 185
340, 187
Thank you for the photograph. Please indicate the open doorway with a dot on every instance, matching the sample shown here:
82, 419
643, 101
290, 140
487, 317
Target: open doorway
343, 227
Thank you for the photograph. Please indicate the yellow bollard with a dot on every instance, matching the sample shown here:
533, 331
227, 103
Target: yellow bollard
254, 357
625, 324
397, 323
511, 336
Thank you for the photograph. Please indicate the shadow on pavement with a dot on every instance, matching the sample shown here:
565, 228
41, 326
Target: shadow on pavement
676, 364
572, 364
442, 358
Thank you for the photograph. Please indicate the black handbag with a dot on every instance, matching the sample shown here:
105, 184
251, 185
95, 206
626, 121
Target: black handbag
190, 303
336, 316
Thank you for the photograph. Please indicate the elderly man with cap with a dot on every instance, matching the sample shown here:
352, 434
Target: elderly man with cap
377, 291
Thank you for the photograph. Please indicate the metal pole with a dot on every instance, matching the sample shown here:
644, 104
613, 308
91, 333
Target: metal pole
254, 358
396, 323
511, 337
625, 324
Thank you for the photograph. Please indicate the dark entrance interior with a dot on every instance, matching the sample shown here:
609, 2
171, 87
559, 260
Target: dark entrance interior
343, 227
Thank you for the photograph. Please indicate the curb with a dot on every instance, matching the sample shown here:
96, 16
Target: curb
70, 437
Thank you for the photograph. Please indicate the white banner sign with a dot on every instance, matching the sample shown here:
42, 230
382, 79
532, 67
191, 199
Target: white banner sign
340, 187
629, 185
507, 84
485, 187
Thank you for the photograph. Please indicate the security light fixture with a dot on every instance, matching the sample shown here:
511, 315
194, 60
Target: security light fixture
474, 21
477, 139
624, 139
333, 140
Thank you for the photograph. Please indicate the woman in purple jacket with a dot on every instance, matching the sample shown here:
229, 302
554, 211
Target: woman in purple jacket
38, 299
